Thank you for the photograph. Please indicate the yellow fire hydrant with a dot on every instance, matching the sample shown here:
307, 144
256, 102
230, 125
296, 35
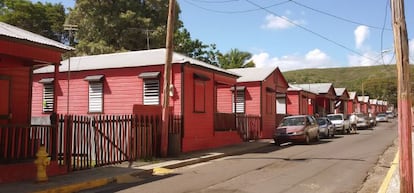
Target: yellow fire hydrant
42, 161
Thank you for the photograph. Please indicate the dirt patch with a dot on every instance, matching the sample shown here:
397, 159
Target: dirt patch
377, 174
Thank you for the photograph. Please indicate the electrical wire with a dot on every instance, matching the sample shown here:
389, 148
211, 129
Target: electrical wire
233, 12
218, 1
310, 31
338, 17
382, 31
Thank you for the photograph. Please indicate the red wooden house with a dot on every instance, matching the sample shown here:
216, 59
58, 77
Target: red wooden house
300, 101
353, 103
325, 99
115, 83
373, 106
341, 103
257, 94
20, 52
363, 104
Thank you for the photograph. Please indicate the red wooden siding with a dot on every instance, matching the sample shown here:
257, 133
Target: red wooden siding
19, 97
29, 52
293, 104
224, 101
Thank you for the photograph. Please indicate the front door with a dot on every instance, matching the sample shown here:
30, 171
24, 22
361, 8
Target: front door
4, 99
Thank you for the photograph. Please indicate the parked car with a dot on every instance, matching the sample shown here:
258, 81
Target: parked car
326, 128
390, 114
298, 128
363, 121
382, 117
341, 123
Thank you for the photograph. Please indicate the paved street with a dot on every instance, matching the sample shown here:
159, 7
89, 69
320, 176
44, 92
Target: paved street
332, 165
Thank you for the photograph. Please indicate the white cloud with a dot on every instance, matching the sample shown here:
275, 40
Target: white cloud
411, 48
361, 34
276, 22
313, 59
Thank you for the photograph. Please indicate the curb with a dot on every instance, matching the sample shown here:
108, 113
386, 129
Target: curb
386, 182
144, 169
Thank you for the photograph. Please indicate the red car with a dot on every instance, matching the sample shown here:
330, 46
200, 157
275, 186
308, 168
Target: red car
298, 128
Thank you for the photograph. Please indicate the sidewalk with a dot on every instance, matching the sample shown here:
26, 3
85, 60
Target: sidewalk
86, 179
391, 183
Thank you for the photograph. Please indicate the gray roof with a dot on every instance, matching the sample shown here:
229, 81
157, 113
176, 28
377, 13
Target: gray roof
364, 99
339, 91
126, 59
318, 88
253, 74
292, 87
10, 31
352, 95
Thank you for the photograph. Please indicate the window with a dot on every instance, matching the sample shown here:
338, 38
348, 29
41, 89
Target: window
48, 97
281, 104
199, 96
238, 106
200, 92
151, 87
95, 93
95, 97
151, 92
48, 94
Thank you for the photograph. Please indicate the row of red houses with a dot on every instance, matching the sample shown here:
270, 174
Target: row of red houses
35, 83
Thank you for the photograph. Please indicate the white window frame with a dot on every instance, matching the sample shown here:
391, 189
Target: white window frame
240, 104
48, 97
95, 94
151, 92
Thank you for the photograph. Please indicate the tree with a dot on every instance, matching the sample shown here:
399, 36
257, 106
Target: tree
235, 59
122, 25
195, 48
44, 19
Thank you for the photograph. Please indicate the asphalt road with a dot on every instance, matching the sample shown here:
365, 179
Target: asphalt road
336, 165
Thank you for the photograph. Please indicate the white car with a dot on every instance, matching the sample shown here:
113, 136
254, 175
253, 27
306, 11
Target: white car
340, 122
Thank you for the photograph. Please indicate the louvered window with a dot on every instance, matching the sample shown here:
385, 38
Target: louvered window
95, 97
151, 92
48, 97
238, 106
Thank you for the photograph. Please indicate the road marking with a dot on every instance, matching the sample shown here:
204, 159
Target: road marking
387, 179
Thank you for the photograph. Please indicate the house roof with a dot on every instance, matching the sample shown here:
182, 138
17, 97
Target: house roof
339, 91
9, 31
127, 59
352, 95
253, 74
364, 99
373, 101
318, 88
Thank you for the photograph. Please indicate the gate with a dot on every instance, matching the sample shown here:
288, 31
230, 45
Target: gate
95, 141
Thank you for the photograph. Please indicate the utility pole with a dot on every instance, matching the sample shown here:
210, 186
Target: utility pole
404, 95
167, 71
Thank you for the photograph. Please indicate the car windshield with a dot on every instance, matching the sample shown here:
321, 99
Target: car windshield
335, 117
322, 121
293, 121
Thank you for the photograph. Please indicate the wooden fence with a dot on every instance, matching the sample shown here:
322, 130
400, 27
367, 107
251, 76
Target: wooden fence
248, 126
82, 142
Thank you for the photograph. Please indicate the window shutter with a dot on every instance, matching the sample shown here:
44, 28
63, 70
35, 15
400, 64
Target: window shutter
281, 105
239, 102
95, 97
151, 92
48, 97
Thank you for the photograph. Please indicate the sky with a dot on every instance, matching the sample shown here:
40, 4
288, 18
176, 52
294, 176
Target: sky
296, 34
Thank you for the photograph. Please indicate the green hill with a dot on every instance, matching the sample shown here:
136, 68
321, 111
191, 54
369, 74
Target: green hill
376, 81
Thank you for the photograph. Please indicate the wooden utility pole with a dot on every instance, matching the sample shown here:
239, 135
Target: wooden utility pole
167, 74
404, 95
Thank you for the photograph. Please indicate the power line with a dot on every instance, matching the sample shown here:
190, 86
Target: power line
382, 31
233, 12
338, 17
218, 1
310, 31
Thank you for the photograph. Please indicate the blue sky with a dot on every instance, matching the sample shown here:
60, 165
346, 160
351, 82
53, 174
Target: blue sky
296, 34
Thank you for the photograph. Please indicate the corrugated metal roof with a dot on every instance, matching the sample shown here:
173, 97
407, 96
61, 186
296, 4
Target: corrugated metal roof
339, 91
364, 99
10, 31
373, 101
253, 74
126, 59
352, 95
318, 88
